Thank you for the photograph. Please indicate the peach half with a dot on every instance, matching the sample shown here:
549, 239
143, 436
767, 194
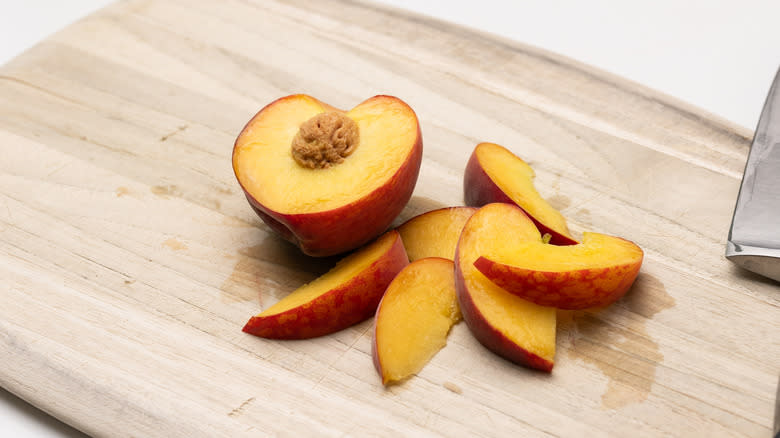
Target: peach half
510, 326
347, 294
434, 233
495, 174
594, 273
414, 318
328, 180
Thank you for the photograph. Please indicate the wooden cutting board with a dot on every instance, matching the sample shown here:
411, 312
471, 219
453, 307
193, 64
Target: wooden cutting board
130, 259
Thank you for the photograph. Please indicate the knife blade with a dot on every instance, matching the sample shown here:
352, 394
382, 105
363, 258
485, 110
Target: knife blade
754, 237
776, 429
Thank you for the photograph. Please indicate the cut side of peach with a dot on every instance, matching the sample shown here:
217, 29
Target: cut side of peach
361, 189
594, 273
267, 169
495, 174
347, 294
512, 327
435, 233
414, 318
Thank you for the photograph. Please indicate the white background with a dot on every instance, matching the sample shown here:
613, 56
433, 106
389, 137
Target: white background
720, 55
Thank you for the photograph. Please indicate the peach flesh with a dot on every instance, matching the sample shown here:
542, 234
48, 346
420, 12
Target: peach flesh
347, 294
510, 326
435, 233
327, 211
494, 174
594, 273
414, 317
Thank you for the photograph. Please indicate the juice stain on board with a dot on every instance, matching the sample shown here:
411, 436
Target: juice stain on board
268, 271
625, 354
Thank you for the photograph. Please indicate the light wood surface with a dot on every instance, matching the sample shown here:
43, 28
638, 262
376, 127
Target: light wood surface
130, 259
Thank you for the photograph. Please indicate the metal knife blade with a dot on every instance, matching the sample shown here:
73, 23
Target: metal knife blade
776, 431
754, 237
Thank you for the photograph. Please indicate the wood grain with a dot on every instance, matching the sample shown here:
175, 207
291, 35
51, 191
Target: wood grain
130, 259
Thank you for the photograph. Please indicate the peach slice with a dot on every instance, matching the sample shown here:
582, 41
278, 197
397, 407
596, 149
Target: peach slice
594, 273
512, 327
435, 233
414, 318
327, 180
345, 295
494, 174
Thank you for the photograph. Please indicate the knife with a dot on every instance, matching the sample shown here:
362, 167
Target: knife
776, 432
754, 237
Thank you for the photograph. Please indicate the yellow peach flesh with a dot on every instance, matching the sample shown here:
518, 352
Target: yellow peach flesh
264, 164
596, 251
414, 317
515, 178
522, 322
344, 271
435, 233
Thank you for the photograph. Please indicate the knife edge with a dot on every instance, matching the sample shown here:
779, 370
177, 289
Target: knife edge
754, 235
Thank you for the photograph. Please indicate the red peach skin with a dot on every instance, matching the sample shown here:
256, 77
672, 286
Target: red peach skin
479, 189
490, 336
346, 304
570, 290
